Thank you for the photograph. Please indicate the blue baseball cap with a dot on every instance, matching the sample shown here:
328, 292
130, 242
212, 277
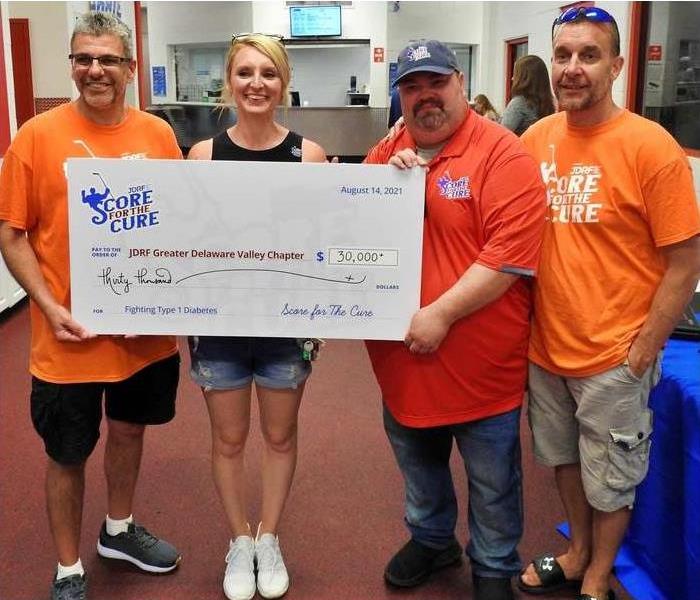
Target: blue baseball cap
426, 55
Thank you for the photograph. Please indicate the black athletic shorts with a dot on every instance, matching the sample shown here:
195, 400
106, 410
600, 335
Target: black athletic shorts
67, 415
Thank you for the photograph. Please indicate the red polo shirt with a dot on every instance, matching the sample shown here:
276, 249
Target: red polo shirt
485, 203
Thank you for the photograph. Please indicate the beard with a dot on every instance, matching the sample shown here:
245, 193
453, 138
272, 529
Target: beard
582, 101
429, 115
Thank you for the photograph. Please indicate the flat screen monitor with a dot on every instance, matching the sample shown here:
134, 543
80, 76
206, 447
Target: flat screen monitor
314, 21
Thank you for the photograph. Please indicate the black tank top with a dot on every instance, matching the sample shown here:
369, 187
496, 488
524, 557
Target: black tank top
288, 150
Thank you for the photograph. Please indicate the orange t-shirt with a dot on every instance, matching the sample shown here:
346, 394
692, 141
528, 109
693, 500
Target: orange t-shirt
33, 198
484, 203
616, 193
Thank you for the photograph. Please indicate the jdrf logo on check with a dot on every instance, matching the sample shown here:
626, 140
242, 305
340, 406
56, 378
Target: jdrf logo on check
133, 210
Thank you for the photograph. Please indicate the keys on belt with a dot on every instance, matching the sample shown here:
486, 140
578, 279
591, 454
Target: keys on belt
310, 348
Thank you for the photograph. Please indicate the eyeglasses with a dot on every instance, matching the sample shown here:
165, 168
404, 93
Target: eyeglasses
106, 61
589, 13
240, 37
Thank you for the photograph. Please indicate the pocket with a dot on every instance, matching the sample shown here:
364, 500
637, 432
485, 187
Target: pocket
628, 453
654, 371
627, 372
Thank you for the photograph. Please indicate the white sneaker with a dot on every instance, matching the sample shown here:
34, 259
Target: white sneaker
239, 579
273, 580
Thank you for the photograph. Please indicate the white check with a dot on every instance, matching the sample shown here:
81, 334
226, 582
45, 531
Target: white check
244, 248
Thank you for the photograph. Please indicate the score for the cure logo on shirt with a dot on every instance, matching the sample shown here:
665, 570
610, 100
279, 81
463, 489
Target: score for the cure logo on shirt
454, 189
569, 196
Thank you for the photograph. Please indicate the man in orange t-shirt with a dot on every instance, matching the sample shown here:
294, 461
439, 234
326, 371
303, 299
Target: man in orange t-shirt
71, 368
620, 260
460, 375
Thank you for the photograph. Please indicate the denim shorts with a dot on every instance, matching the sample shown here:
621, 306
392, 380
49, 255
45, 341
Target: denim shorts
602, 422
229, 363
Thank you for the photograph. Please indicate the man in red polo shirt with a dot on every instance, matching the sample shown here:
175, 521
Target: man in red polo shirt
460, 375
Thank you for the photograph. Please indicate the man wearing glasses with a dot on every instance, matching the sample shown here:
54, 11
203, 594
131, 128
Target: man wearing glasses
71, 368
620, 260
460, 375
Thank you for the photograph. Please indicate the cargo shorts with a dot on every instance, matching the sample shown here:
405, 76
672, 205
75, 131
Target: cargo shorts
602, 422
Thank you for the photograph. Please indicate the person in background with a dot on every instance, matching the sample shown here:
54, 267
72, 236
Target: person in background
257, 78
620, 261
72, 369
483, 107
484, 217
531, 95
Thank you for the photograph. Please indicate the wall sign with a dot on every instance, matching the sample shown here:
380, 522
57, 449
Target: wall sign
654, 52
158, 81
379, 55
114, 8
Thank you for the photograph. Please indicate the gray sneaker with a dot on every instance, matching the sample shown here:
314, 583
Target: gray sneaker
69, 588
140, 548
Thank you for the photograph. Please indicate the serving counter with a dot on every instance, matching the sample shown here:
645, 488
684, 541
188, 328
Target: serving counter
346, 132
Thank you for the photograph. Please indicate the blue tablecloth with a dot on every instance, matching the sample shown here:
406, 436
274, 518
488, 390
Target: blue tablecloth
660, 558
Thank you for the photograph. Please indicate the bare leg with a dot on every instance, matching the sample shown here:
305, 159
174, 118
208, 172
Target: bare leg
279, 410
579, 515
65, 486
229, 414
122, 461
608, 531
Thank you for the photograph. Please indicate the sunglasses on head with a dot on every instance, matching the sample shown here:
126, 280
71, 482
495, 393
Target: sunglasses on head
241, 37
587, 13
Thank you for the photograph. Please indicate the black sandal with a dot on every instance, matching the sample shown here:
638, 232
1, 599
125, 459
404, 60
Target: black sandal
551, 576
609, 596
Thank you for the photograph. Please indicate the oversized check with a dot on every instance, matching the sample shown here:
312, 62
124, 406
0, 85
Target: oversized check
244, 248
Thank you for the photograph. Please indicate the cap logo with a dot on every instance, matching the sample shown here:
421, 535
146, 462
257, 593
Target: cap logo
418, 53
